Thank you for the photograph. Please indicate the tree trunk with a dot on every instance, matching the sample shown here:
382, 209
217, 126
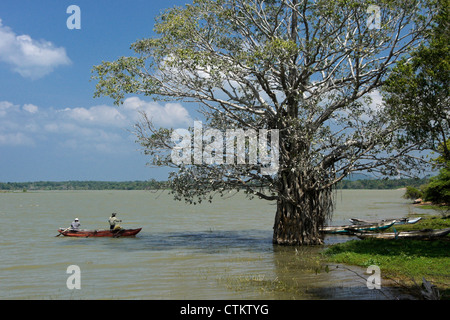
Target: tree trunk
301, 213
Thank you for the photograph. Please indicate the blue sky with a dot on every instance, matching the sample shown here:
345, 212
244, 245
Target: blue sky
51, 127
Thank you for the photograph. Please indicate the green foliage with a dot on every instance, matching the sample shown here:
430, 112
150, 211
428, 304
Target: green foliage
443, 159
412, 193
417, 91
427, 222
438, 190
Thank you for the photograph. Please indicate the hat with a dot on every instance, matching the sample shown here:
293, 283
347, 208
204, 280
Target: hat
113, 214
76, 219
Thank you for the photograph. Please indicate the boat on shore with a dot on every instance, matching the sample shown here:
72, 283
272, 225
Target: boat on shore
425, 234
350, 229
85, 233
397, 221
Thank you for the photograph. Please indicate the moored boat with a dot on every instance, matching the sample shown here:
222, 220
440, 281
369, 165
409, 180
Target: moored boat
350, 229
397, 221
84, 233
425, 234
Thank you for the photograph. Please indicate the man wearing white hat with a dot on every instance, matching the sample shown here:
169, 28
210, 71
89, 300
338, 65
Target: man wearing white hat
75, 226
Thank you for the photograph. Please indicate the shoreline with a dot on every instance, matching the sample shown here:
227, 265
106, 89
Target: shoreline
405, 262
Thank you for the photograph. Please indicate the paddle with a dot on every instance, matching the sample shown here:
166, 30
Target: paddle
118, 232
62, 232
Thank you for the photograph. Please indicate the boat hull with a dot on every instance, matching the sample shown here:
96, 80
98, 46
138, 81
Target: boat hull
350, 229
356, 221
99, 233
427, 234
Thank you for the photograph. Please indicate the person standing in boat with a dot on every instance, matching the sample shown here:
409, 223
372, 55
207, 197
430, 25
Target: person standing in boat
75, 225
114, 222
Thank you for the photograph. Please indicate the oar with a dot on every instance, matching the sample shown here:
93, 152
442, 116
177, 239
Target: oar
117, 233
62, 232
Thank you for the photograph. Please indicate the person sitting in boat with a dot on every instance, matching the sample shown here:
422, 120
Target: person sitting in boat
114, 222
75, 225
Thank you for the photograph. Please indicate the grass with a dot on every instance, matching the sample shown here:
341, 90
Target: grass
429, 222
404, 260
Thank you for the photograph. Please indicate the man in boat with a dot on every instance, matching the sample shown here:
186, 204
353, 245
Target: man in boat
75, 225
114, 223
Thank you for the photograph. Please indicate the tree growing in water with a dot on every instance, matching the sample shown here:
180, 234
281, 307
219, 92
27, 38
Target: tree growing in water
307, 68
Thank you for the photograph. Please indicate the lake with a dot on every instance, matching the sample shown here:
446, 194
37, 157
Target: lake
221, 250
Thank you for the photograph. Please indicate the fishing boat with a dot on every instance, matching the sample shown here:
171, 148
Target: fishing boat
350, 229
425, 234
397, 221
99, 233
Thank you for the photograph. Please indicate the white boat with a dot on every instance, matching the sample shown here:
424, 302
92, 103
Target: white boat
350, 229
356, 221
426, 234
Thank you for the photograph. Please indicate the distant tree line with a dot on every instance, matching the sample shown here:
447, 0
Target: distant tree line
381, 183
154, 185
84, 185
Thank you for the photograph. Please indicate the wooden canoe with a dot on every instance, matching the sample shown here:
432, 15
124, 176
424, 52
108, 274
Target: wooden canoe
350, 229
397, 221
99, 233
425, 234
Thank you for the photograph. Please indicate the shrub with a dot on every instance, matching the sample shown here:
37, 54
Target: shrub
412, 193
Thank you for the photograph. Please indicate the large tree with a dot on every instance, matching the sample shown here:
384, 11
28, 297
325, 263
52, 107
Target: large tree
307, 68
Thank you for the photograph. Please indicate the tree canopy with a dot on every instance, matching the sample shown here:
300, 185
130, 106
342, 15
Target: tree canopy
417, 91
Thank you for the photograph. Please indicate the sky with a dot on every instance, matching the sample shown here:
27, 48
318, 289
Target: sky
51, 126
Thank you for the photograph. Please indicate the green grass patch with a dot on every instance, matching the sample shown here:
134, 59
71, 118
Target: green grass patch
404, 260
442, 208
428, 222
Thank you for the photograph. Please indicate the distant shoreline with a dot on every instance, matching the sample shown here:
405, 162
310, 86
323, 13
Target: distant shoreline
82, 185
374, 184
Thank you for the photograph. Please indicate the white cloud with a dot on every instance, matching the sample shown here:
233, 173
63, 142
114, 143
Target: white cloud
15, 139
31, 108
99, 128
169, 115
97, 115
30, 58
377, 100
7, 107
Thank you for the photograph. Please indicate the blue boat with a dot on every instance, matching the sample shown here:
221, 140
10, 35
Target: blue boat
351, 229
397, 221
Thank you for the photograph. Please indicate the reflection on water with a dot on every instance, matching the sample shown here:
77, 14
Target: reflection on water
214, 251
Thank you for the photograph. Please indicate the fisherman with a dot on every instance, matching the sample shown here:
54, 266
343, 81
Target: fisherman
75, 225
114, 222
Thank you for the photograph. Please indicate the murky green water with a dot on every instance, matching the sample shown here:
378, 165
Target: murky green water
221, 250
